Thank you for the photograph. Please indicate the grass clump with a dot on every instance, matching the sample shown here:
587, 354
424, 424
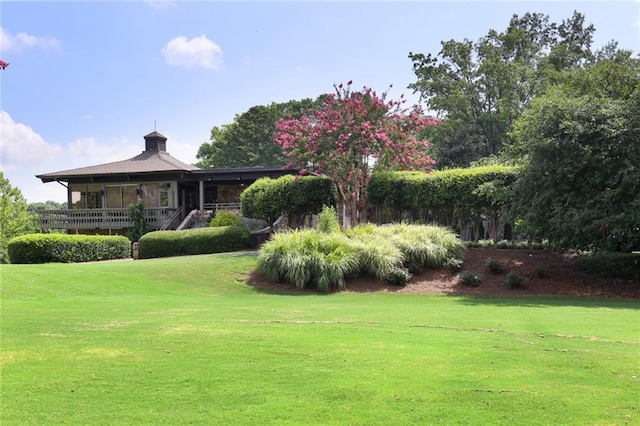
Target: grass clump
325, 258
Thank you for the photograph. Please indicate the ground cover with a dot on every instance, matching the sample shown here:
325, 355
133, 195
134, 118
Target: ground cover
187, 341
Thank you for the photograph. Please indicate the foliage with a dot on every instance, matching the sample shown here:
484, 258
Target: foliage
495, 266
47, 205
456, 198
580, 188
614, 265
43, 248
15, 218
247, 141
514, 281
225, 218
541, 272
136, 215
350, 135
193, 241
294, 196
328, 220
453, 264
482, 87
469, 279
398, 276
313, 258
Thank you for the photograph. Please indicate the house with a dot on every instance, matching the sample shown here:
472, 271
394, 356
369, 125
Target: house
171, 191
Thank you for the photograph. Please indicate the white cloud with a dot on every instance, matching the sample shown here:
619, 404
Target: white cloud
20, 41
195, 52
21, 146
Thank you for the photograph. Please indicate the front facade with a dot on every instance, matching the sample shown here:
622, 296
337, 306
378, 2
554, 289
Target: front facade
98, 196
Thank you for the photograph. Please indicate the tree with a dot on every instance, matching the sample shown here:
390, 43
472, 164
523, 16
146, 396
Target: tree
47, 205
581, 184
15, 218
481, 88
248, 140
352, 134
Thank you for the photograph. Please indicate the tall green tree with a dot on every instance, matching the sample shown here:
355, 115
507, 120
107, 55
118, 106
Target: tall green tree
580, 187
15, 219
480, 88
248, 140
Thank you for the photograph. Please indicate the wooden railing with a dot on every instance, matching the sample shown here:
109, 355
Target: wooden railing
216, 207
155, 218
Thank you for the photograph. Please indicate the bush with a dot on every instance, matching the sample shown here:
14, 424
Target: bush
453, 264
398, 276
225, 218
328, 220
514, 281
469, 279
42, 248
612, 264
541, 272
194, 241
495, 266
325, 260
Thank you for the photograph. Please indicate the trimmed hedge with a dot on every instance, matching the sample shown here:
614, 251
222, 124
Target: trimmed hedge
42, 248
294, 196
193, 241
448, 197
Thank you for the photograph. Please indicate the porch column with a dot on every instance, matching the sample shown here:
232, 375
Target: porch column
201, 189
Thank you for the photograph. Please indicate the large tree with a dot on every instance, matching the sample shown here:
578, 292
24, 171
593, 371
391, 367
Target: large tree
15, 219
480, 88
352, 134
581, 184
248, 140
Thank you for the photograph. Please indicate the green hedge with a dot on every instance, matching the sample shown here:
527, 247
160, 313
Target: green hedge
614, 265
294, 196
448, 197
193, 241
42, 248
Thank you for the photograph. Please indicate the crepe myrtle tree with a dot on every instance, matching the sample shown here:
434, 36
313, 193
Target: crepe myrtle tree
351, 135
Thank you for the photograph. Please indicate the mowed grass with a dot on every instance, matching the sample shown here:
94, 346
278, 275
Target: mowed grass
185, 341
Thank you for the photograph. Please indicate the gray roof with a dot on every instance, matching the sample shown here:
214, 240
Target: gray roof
146, 162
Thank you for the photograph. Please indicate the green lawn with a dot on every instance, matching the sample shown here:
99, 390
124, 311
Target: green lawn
184, 341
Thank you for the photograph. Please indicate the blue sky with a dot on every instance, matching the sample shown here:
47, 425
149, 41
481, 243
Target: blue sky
87, 80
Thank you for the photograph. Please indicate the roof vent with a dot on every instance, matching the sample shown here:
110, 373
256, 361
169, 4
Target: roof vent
155, 141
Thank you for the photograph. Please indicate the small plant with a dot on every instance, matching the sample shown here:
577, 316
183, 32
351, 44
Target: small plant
225, 218
495, 266
328, 220
541, 272
453, 264
514, 281
136, 215
398, 276
469, 279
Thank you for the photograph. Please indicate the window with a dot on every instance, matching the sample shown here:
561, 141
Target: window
86, 196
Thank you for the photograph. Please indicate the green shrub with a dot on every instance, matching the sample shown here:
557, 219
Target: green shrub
225, 218
469, 279
495, 266
398, 276
42, 248
294, 196
514, 281
541, 272
611, 264
328, 220
453, 264
325, 260
194, 241
139, 228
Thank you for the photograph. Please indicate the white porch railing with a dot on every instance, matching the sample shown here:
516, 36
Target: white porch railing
155, 218
216, 207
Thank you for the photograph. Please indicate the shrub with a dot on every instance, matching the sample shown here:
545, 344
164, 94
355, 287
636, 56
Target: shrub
194, 241
495, 266
514, 281
41, 248
139, 228
541, 271
611, 264
469, 279
398, 276
328, 220
225, 218
453, 264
